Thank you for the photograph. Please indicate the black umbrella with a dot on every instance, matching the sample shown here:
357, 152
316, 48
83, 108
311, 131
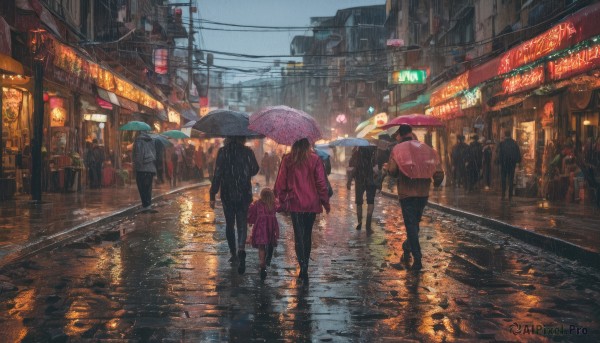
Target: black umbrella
225, 123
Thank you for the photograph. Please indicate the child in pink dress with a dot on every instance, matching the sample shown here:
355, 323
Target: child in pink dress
265, 230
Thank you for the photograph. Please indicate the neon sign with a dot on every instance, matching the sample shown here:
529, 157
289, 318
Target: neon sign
552, 40
458, 84
521, 82
409, 77
445, 110
581, 61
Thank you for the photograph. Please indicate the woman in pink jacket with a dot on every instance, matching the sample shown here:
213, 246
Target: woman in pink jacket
301, 189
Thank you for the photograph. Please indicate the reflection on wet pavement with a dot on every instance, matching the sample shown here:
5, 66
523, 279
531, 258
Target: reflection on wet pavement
165, 277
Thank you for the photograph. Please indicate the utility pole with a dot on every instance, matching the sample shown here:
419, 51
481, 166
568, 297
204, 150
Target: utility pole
190, 51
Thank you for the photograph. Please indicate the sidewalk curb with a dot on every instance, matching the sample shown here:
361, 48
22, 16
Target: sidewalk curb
551, 244
60, 237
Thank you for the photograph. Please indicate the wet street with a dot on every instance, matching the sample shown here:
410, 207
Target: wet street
164, 277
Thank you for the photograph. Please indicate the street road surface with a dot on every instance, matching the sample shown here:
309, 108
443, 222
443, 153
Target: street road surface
164, 277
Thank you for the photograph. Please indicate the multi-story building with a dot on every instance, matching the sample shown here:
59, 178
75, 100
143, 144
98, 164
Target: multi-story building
96, 63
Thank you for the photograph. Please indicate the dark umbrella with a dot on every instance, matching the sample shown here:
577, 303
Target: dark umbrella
162, 139
225, 123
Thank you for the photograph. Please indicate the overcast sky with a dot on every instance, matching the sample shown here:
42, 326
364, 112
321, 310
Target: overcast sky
263, 13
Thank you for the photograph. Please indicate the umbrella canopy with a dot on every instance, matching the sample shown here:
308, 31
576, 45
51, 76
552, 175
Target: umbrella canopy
414, 120
416, 159
162, 139
190, 123
285, 125
323, 154
351, 141
175, 134
135, 126
225, 123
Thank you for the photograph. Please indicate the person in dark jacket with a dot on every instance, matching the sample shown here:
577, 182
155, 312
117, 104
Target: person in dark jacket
144, 159
487, 163
473, 163
459, 153
363, 164
234, 168
509, 155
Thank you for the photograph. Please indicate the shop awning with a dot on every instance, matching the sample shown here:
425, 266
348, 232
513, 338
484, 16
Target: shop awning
10, 65
108, 96
128, 104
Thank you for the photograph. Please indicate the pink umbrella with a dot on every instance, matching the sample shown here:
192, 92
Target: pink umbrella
416, 159
413, 120
285, 125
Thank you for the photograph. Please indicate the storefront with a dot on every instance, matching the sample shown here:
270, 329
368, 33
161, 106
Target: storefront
15, 128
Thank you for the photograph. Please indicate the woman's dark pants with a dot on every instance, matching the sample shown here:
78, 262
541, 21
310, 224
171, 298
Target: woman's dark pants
303, 223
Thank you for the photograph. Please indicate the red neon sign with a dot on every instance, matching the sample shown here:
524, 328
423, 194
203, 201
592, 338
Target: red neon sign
552, 40
525, 81
579, 62
458, 84
446, 110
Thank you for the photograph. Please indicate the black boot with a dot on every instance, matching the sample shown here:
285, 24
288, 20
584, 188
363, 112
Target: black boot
303, 272
417, 265
263, 273
242, 265
370, 209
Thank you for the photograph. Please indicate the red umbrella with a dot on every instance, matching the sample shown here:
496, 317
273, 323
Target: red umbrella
285, 125
416, 159
413, 120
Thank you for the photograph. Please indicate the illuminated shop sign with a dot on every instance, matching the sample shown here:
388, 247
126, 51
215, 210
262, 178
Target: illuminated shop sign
445, 110
555, 39
522, 82
448, 91
97, 117
576, 63
58, 114
409, 77
471, 98
68, 60
174, 116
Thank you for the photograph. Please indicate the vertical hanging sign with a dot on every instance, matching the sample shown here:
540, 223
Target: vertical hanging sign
161, 58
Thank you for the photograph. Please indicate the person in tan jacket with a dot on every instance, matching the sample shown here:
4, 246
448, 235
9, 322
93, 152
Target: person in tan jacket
413, 195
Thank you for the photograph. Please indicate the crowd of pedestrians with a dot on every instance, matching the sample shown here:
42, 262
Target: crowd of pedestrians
301, 190
472, 164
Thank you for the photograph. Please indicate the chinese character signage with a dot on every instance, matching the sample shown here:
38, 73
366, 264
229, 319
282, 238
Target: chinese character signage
576, 63
555, 39
449, 90
522, 82
409, 77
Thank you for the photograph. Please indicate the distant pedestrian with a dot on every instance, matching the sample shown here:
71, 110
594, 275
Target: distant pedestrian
364, 173
178, 160
473, 163
301, 188
266, 167
509, 155
459, 153
234, 169
265, 230
487, 163
413, 194
144, 158
199, 161
160, 161
210, 161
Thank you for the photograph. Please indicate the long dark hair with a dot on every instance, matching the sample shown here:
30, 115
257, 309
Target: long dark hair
300, 151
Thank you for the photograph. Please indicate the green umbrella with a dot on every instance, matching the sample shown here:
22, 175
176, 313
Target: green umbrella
174, 134
135, 126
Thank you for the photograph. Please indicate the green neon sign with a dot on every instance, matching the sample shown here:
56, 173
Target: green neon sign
409, 77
